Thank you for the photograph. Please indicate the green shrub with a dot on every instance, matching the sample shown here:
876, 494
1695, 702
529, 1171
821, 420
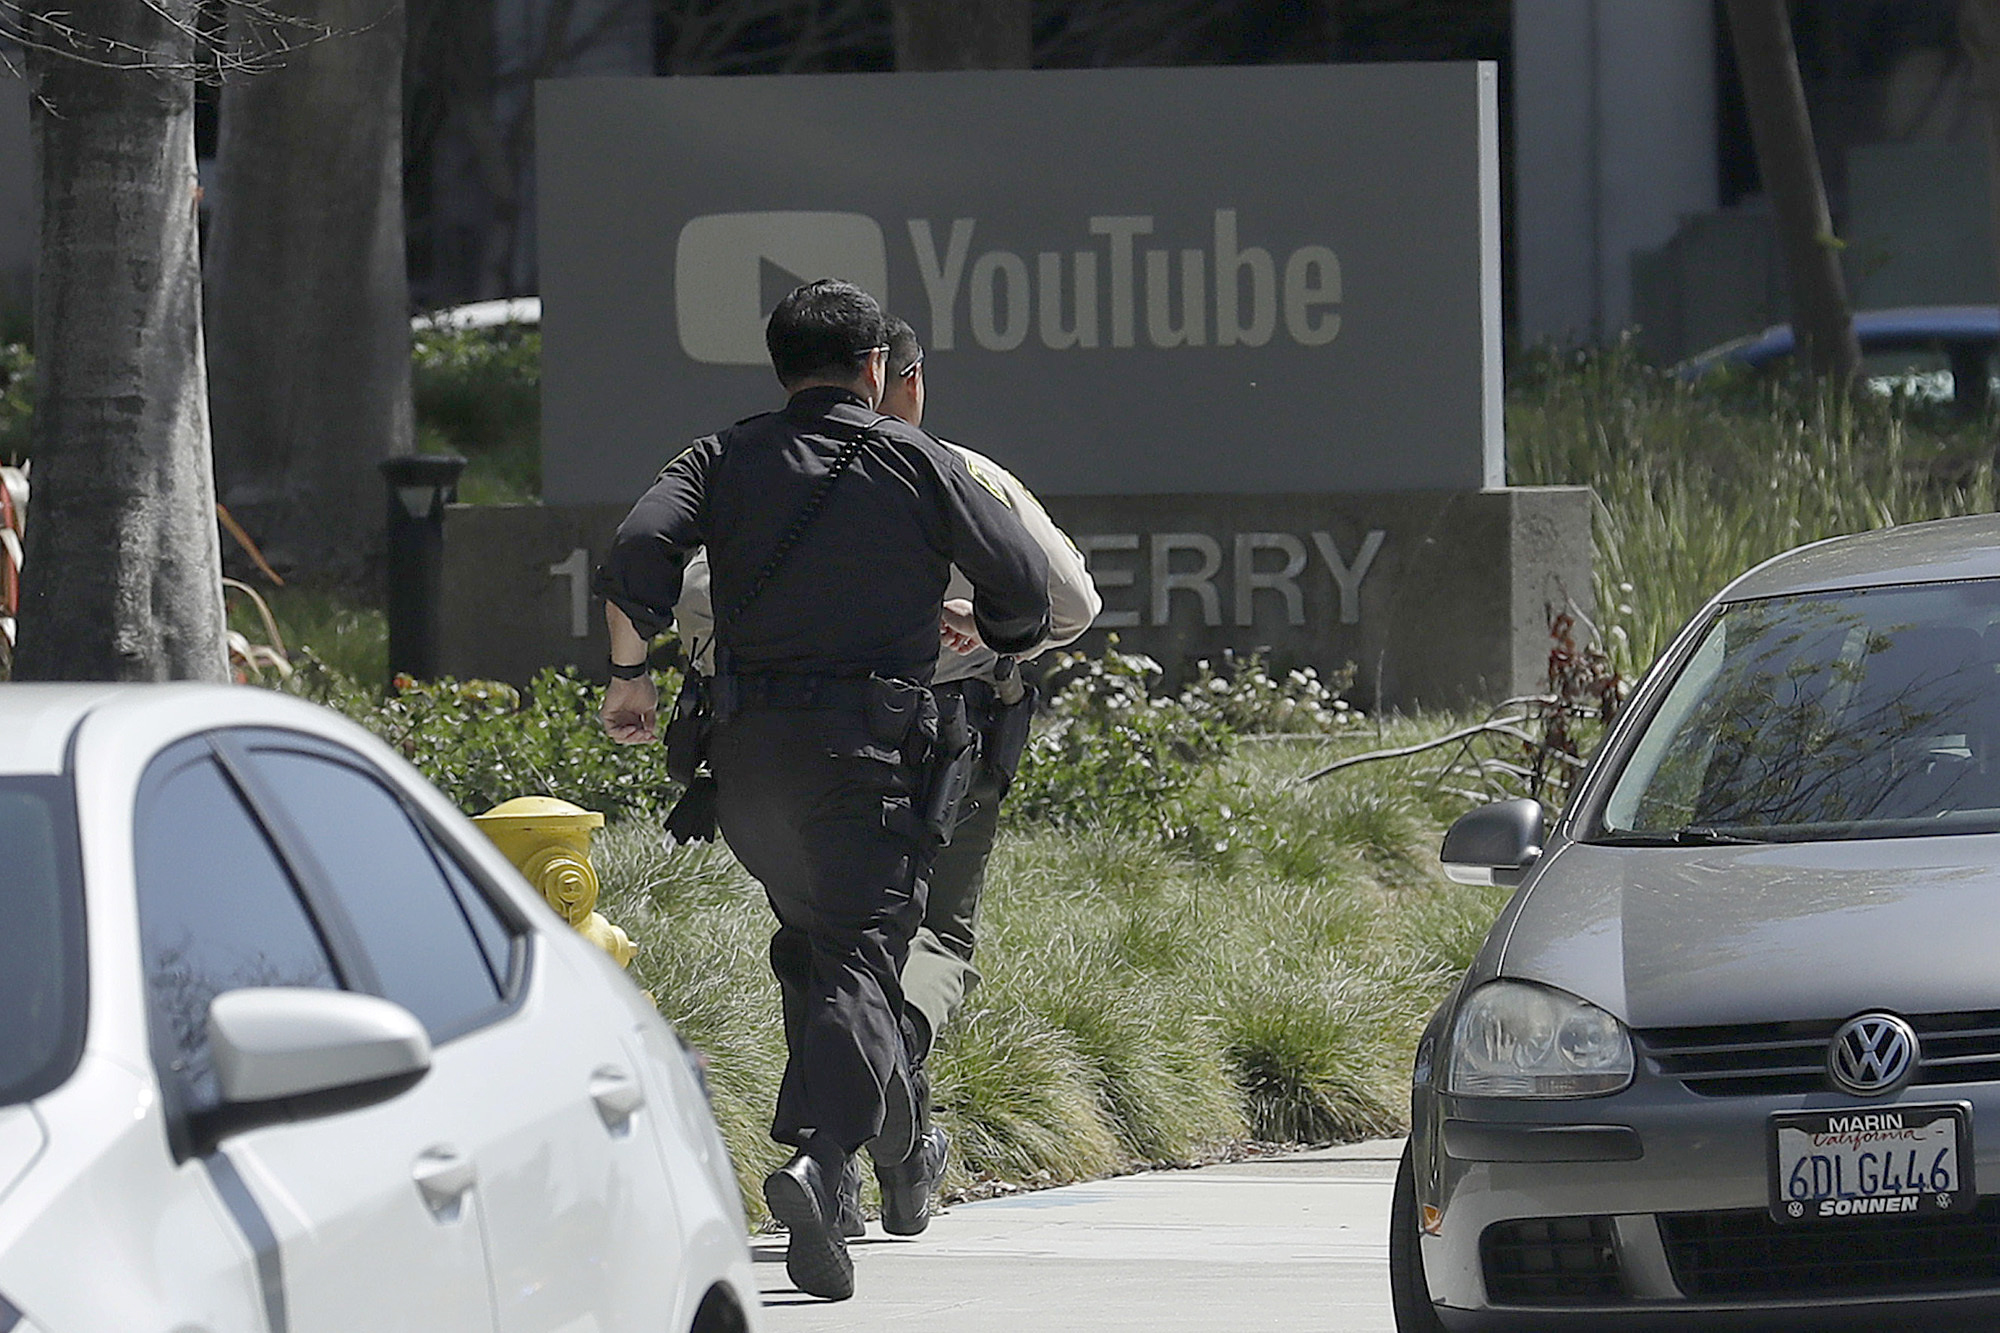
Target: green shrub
1317, 1051
482, 742
478, 392
1111, 751
1157, 1068
1020, 1100
1244, 697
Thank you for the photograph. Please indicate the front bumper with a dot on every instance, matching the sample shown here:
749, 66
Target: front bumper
1659, 1151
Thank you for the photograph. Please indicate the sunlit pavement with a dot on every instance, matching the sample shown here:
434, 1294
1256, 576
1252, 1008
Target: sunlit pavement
1275, 1245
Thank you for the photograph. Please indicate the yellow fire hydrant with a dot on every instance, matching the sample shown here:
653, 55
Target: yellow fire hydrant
548, 840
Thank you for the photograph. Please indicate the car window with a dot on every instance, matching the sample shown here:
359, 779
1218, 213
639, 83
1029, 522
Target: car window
1869, 713
496, 938
409, 920
42, 965
217, 912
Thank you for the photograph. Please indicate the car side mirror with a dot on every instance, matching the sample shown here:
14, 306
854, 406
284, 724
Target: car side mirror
1495, 844
274, 1043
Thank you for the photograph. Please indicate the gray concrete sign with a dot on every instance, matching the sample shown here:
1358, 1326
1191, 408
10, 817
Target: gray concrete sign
1131, 282
1438, 599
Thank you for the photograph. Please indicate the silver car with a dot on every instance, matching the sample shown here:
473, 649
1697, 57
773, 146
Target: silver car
1730, 1057
287, 1046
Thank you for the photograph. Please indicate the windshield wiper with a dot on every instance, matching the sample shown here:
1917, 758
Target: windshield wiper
1701, 835
1694, 835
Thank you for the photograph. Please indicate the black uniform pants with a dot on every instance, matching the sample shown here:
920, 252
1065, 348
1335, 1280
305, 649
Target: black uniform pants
819, 811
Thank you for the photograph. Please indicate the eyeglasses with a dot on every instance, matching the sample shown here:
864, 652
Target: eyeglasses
913, 367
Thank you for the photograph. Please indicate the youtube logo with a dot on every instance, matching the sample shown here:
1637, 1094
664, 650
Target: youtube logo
730, 269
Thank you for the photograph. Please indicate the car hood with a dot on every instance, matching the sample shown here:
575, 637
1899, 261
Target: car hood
1670, 937
21, 1142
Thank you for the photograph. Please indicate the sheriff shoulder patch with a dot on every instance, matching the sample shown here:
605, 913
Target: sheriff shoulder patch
984, 476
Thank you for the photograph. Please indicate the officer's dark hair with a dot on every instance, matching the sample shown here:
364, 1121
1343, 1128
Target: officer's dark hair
904, 349
824, 331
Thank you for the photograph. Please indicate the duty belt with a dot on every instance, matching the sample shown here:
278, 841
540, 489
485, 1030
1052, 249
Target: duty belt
787, 691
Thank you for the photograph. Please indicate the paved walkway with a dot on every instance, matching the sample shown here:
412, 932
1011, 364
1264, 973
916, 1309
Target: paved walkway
1279, 1245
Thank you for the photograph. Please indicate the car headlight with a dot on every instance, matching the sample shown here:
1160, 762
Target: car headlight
1514, 1039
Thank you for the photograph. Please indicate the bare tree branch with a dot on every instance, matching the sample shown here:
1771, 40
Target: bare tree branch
258, 39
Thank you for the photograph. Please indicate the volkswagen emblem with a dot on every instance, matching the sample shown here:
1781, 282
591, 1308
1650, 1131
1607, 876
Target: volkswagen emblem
1872, 1054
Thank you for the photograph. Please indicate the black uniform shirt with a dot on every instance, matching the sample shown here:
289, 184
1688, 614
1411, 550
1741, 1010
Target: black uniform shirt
861, 591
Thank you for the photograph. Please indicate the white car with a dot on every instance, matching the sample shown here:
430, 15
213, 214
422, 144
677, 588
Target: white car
286, 1045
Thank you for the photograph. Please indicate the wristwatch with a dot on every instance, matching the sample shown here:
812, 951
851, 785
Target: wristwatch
620, 671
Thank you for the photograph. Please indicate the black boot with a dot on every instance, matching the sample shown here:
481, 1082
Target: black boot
852, 1224
908, 1185
804, 1194
905, 1113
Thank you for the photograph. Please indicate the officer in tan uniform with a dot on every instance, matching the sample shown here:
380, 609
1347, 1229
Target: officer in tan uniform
939, 972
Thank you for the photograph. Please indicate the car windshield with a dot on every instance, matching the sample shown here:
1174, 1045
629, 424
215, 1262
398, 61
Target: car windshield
1860, 714
41, 938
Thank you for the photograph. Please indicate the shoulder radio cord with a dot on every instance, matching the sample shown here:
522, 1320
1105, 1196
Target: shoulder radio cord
804, 520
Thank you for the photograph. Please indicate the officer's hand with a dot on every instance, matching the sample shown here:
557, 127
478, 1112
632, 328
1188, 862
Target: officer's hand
957, 629
631, 710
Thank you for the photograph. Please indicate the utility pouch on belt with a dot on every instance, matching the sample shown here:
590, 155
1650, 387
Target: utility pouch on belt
954, 759
896, 711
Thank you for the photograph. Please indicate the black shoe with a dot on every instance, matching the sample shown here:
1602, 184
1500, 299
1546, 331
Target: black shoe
901, 1118
852, 1224
907, 1186
816, 1257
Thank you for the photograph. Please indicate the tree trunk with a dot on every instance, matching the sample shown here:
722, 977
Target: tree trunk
963, 34
308, 319
125, 580
1822, 317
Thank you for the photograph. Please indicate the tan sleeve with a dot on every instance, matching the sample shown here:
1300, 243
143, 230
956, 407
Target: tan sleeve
1073, 599
694, 617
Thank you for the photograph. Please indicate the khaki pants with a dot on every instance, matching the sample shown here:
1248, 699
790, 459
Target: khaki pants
939, 974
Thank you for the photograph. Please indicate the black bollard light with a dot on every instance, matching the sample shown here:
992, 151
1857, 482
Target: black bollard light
420, 486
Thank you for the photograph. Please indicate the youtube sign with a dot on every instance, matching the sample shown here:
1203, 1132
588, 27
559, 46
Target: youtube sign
730, 269
1278, 280
1238, 328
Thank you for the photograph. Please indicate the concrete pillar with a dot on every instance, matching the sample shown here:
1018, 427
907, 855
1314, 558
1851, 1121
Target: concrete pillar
1614, 142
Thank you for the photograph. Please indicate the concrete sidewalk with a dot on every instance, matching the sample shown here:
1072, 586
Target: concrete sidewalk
1277, 1245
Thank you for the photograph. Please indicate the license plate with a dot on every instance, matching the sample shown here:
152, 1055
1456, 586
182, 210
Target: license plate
1898, 1161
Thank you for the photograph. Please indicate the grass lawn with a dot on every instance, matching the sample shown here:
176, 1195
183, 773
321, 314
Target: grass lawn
1144, 1001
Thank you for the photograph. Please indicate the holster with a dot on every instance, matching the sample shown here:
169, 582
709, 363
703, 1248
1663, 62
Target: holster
689, 729
1007, 735
948, 776
693, 817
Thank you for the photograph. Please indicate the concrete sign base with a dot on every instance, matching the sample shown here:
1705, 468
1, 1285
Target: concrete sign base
1438, 599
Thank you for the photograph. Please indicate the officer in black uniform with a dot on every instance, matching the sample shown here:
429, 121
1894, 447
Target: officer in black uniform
831, 531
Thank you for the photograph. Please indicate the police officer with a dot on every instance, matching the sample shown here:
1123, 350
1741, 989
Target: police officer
831, 531
939, 973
